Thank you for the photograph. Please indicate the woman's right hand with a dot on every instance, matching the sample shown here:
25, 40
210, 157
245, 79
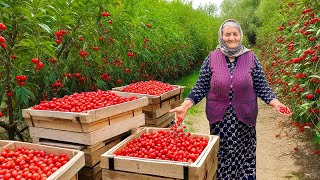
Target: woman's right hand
179, 111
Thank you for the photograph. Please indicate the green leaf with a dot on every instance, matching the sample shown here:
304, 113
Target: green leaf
24, 95
26, 43
45, 27
101, 84
48, 49
315, 76
27, 13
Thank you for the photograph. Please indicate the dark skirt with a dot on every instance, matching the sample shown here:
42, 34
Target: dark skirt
237, 151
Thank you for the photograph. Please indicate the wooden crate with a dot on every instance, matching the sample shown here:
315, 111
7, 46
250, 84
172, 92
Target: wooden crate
68, 170
90, 138
177, 91
120, 167
88, 122
158, 105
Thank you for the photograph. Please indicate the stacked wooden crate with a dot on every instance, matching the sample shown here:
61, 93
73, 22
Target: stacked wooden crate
125, 168
157, 110
65, 172
93, 132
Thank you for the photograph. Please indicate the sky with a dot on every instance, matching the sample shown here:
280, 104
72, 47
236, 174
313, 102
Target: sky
196, 3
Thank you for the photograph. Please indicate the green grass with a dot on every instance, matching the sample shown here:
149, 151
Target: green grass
189, 81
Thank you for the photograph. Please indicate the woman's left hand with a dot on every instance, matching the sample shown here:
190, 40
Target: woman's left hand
283, 110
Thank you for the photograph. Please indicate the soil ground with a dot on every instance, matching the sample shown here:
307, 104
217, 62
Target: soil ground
277, 158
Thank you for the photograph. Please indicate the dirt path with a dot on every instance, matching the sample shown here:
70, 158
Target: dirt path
276, 157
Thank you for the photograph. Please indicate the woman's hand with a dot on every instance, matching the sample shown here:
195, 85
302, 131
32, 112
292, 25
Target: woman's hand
283, 110
181, 110
280, 108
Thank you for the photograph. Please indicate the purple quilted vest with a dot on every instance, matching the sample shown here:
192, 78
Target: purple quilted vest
244, 99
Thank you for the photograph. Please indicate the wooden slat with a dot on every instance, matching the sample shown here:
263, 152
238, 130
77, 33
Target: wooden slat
120, 117
90, 116
157, 113
88, 171
166, 102
163, 124
120, 108
92, 159
68, 125
176, 104
92, 137
156, 121
95, 147
97, 176
116, 175
4, 144
171, 169
61, 144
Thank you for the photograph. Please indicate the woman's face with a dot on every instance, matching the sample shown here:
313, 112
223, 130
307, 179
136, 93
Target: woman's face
231, 36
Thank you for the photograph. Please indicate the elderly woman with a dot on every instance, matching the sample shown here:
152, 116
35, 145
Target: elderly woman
231, 78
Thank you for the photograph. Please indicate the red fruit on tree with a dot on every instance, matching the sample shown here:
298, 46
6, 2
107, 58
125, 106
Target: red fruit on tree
309, 96
8, 94
2, 40
58, 41
1, 114
14, 56
35, 60
3, 45
2, 26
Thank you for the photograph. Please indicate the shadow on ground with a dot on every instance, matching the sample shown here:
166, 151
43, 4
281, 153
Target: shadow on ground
306, 153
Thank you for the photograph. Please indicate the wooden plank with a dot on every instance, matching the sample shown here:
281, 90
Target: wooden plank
61, 144
212, 170
75, 177
171, 169
68, 125
166, 102
68, 170
152, 107
119, 108
157, 113
90, 116
137, 112
92, 159
156, 121
116, 175
95, 147
4, 144
90, 171
171, 93
97, 176
163, 124
176, 104
92, 137
120, 117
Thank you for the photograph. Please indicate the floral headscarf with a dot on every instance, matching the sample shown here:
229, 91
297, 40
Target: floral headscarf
231, 52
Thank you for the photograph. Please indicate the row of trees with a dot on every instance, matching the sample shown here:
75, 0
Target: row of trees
54, 48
